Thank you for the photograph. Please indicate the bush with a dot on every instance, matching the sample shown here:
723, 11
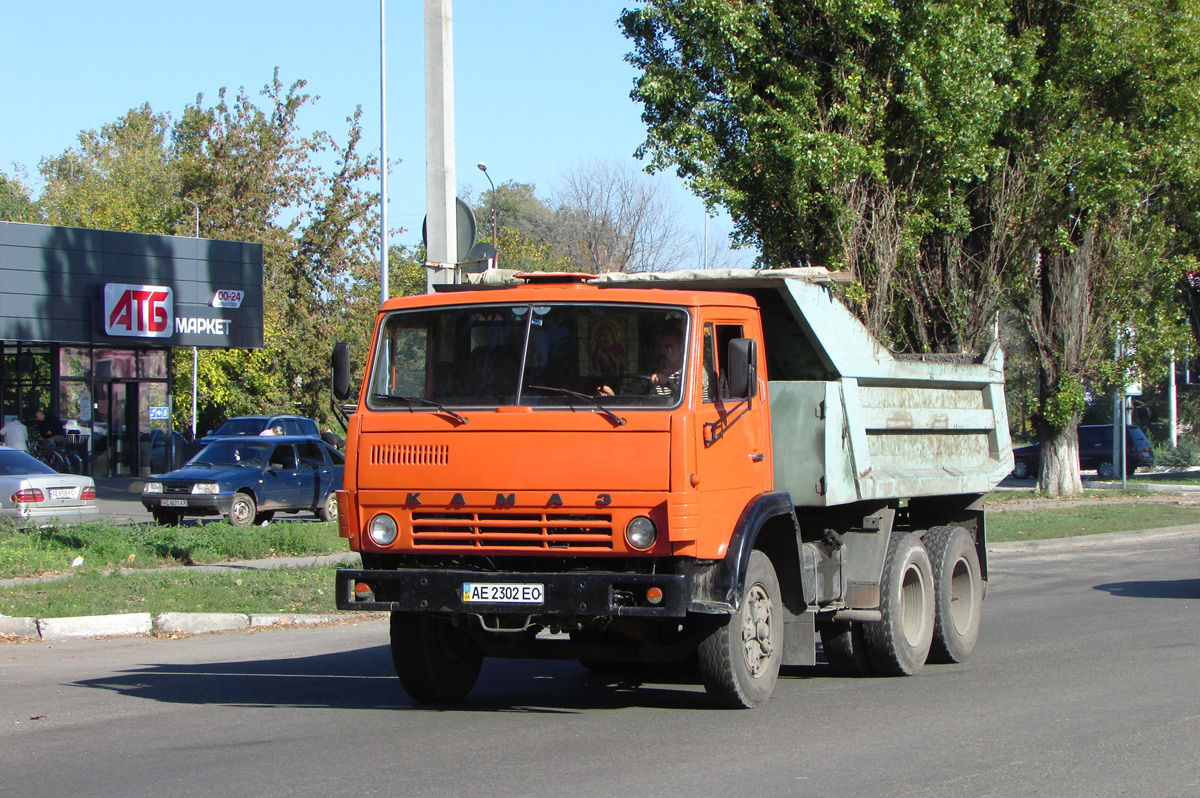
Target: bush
1185, 455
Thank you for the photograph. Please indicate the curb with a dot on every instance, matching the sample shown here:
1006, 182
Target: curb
141, 623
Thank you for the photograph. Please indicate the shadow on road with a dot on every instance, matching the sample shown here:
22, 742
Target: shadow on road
364, 679
1168, 589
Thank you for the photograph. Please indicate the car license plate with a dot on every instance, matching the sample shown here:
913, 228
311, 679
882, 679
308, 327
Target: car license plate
174, 503
62, 493
493, 593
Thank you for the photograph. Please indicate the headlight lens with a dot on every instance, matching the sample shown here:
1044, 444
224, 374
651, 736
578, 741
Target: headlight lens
640, 533
152, 487
383, 530
207, 488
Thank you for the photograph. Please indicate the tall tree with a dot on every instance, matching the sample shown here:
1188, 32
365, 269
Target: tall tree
16, 203
1108, 145
854, 134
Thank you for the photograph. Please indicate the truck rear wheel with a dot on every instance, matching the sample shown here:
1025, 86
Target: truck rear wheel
739, 660
899, 644
845, 647
435, 660
957, 592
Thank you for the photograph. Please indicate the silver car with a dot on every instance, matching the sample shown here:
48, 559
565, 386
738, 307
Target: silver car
33, 493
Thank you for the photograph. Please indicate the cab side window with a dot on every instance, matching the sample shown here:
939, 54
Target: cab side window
716, 350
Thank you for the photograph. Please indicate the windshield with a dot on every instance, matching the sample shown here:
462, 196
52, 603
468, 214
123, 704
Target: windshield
244, 453
242, 426
564, 355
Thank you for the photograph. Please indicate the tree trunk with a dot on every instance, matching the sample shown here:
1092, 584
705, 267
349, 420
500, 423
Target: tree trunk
1060, 464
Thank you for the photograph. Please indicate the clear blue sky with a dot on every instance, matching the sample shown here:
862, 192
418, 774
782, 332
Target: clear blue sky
540, 85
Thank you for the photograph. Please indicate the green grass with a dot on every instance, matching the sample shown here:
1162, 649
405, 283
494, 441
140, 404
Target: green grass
104, 546
1086, 519
286, 590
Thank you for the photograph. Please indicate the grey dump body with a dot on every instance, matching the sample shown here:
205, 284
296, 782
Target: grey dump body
851, 421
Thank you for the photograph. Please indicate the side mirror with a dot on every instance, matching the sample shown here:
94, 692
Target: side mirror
743, 368
341, 371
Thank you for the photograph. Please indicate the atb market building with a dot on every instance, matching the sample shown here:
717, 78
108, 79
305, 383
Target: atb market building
92, 322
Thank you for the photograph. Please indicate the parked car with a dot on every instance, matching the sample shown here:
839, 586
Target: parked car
248, 480
255, 425
32, 492
1095, 452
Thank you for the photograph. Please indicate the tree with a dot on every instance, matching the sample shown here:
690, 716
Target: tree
610, 218
856, 135
16, 205
1106, 145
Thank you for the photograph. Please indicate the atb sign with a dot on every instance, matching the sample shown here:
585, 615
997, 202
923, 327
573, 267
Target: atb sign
138, 311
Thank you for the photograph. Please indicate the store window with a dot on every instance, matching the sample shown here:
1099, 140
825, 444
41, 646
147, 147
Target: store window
152, 365
75, 362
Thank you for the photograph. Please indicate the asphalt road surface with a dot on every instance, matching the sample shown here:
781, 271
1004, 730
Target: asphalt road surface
1084, 683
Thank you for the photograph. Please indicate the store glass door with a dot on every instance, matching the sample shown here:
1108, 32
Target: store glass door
115, 428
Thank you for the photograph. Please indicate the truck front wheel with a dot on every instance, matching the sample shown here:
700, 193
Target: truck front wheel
899, 643
739, 660
435, 660
958, 593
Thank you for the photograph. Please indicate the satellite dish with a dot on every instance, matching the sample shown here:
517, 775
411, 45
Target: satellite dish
464, 223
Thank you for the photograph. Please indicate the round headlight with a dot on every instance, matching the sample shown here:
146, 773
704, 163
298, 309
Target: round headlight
383, 530
640, 533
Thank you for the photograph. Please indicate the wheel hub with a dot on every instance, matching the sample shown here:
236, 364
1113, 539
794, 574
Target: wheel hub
757, 620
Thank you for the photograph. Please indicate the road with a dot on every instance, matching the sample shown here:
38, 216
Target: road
1084, 683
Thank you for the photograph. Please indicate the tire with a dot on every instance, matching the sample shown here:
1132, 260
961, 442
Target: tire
1105, 470
740, 658
435, 661
899, 644
263, 517
845, 648
166, 517
957, 593
243, 510
329, 510
1021, 469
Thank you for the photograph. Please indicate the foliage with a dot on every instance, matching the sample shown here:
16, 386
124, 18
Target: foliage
1183, 455
16, 205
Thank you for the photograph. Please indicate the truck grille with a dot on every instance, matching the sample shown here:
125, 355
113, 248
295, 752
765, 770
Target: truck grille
513, 531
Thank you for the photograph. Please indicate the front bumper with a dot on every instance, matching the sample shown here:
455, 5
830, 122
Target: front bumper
197, 503
580, 594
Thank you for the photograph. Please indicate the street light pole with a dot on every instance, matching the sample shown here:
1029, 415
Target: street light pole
483, 168
195, 353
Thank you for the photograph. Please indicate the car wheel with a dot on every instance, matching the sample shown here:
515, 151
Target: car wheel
242, 511
329, 510
1105, 470
1020, 469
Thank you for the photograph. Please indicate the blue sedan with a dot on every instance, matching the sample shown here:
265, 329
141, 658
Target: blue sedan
248, 480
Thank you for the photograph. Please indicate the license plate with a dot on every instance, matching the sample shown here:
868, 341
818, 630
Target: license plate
492, 593
62, 493
174, 503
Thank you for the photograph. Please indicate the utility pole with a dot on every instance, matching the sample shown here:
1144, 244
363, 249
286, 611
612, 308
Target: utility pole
440, 213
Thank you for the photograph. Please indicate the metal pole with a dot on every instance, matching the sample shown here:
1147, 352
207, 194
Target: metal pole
195, 355
1172, 401
383, 161
483, 168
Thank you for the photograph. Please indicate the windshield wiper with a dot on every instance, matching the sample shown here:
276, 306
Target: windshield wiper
610, 415
411, 400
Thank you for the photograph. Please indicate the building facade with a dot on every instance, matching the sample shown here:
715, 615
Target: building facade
90, 321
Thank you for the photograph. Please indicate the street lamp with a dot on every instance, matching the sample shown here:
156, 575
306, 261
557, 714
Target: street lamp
195, 352
483, 168
197, 207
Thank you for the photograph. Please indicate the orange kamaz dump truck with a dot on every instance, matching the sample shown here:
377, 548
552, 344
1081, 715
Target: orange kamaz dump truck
711, 467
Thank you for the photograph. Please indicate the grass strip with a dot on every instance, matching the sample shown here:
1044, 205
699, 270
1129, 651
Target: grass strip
104, 546
1086, 519
286, 590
